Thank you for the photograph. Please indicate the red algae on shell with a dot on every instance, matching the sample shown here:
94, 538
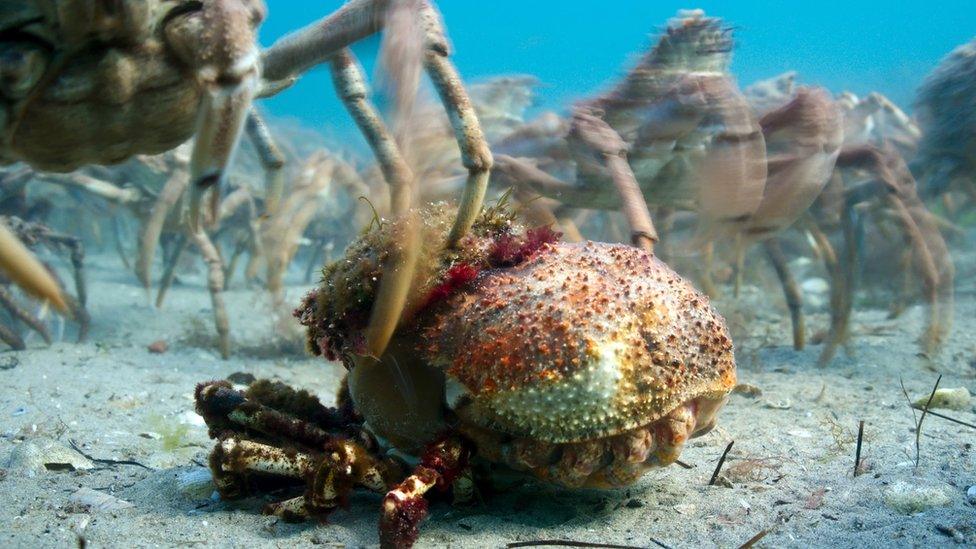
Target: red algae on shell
580, 341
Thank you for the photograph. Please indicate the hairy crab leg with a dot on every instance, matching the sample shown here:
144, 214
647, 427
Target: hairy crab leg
794, 299
404, 507
331, 463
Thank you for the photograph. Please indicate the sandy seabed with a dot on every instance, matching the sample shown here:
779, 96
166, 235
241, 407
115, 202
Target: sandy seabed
789, 473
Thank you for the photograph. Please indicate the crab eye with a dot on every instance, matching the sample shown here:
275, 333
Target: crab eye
21, 67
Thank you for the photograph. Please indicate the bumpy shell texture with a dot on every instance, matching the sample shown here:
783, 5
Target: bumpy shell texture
581, 341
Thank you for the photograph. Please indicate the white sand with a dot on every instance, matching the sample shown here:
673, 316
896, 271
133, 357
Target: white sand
118, 401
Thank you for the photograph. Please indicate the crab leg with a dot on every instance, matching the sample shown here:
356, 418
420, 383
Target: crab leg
932, 259
399, 270
18, 263
794, 300
597, 134
169, 272
331, 464
347, 76
10, 304
404, 506
314, 44
119, 247
271, 158
842, 274
474, 149
215, 283
153, 227
11, 338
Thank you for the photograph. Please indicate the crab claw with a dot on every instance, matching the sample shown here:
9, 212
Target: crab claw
222, 116
218, 40
18, 263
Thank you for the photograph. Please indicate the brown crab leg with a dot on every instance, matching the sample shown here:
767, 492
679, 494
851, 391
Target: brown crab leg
597, 134
347, 76
149, 239
169, 271
331, 464
794, 299
316, 43
119, 247
841, 271
77, 257
399, 269
467, 130
932, 259
215, 283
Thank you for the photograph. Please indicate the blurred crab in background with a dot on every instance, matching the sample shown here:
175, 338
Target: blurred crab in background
97, 81
878, 138
696, 143
946, 108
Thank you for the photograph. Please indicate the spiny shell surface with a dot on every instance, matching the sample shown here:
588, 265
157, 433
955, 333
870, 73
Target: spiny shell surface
581, 341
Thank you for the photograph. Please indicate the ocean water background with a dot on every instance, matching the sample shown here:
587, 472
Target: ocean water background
577, 47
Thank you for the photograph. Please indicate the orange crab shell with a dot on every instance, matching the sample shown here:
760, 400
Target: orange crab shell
581, 341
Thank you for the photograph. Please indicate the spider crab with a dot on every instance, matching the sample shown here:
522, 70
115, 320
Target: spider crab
945, 103
580, 364
694, 142
98, 81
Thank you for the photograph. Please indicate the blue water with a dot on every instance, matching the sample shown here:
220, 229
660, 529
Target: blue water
576, 47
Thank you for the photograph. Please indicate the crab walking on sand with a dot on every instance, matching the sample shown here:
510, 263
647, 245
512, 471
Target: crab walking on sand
583, 365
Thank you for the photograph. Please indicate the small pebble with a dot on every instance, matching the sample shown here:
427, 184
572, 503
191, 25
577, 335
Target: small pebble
971, 495
909, 499
635, 504
158, 347
957, 399
197, 483
86, 500
241, 378
747, 390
